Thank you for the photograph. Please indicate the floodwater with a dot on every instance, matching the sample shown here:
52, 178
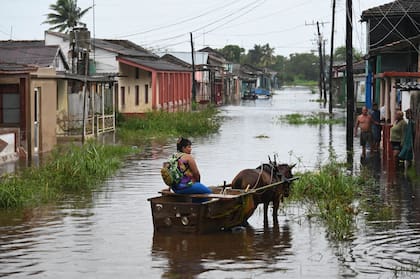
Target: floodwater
109, 233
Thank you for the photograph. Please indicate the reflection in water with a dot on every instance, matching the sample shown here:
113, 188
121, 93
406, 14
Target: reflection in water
246, 252
109, 233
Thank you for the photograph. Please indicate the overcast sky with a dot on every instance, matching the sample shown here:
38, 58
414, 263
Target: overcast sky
288, 26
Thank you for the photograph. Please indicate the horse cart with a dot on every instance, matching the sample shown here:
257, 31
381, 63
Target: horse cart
223, 209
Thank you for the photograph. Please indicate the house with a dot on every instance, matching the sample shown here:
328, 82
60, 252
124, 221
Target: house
29, 84
392, 50
202, 70
261, 79
224, 88
247, 79
165, 86
393, 63
339, 85
142, 81
87, 107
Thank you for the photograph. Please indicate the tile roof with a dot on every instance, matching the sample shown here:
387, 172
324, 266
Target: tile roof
395, 8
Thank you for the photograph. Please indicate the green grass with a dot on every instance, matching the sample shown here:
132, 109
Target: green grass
163, 125
335, 197
69, 168
78, 168
312, 119
329, 194
301, 82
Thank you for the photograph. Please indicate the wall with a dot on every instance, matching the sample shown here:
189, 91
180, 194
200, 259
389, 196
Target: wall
129, 81
404, 62
62, 104
105, 61
56, 40
8, 144
47, 112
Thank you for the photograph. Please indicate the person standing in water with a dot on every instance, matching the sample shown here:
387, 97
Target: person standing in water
364, 121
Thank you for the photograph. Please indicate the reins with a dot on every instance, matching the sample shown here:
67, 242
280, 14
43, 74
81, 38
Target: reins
259, 176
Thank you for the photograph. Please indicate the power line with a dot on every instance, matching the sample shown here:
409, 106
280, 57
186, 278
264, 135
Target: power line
179, 22
250, 7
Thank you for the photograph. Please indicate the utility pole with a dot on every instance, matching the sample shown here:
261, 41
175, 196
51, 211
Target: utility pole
324, 77
350, 84
193, 69
330, 87
86, 63
321, 82
321, 66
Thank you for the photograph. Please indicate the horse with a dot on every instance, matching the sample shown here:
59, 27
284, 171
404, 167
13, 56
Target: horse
263, 175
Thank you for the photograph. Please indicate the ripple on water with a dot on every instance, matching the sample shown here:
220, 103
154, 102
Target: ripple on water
384, 251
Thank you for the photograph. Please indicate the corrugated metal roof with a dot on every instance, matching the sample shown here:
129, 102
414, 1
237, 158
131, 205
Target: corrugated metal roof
42, 56
123, 47
395, 46
396, 8
156, 64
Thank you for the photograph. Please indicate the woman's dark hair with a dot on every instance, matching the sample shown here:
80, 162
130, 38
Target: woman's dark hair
181, 143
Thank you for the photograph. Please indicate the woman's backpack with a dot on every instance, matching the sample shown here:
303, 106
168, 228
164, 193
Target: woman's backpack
170, 172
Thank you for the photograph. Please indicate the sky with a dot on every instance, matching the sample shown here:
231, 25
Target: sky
288, 26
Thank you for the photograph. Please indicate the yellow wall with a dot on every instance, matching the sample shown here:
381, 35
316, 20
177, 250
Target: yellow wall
47, 112
129, 81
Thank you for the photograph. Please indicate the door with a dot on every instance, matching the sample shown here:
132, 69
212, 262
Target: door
37, 92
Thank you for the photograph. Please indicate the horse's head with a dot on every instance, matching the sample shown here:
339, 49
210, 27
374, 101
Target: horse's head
284, 173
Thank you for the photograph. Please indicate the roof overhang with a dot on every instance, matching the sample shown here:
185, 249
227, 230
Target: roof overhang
150, 67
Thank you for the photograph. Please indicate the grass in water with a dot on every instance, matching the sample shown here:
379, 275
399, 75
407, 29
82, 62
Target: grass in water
313, 119
161, 124
329, 194
69, 168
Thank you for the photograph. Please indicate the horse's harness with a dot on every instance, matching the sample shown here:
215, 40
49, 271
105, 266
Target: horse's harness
261, 172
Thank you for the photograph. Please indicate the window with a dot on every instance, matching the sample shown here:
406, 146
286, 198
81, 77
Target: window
137, 95
137, 73
9, 104
146, 94
122, 96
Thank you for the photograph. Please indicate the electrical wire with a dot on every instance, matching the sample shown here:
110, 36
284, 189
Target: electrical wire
379, 23
250, 7
178, 22
394, 28
414, 22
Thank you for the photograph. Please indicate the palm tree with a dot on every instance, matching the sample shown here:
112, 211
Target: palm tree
267, 57
65, 16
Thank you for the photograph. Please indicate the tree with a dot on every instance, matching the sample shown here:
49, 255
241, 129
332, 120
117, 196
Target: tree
232, 53
340, 54
65, 16
267, 58
303, 65
261, 56
254, 55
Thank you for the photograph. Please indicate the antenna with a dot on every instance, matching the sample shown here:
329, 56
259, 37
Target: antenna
94, 36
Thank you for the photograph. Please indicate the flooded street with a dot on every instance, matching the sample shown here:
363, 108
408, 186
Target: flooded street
109, 233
